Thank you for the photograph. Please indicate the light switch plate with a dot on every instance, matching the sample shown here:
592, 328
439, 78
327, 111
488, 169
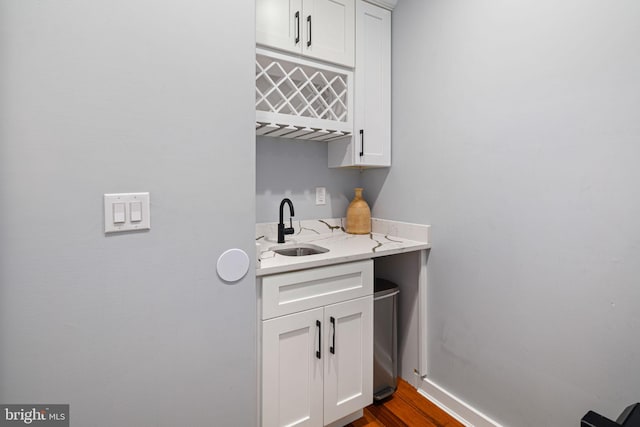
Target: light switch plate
321, 195
137, 200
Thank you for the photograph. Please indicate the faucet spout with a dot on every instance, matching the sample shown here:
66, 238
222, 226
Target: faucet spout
282, 231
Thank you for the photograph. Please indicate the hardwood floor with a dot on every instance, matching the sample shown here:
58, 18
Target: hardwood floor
405, 408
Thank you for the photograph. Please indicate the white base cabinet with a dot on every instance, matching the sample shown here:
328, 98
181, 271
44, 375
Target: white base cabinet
317, 364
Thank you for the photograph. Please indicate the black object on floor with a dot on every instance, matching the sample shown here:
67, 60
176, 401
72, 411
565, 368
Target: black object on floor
630, 417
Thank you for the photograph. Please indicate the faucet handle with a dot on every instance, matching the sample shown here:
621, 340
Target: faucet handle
289, 230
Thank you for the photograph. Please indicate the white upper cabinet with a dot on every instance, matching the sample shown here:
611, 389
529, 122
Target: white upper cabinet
320, 29
370, 145
329, 30
278, 24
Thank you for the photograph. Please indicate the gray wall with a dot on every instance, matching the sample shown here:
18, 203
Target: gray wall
117, 96
293, 169
516, 135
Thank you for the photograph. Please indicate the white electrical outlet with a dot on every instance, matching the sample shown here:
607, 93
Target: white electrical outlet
321, 194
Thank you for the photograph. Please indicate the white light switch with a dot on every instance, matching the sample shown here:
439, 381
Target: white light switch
126, 212
118, 213
136, 211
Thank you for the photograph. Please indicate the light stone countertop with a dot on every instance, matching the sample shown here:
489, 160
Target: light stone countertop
387, 238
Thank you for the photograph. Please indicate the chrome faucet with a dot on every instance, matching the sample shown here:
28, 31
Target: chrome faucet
282, 231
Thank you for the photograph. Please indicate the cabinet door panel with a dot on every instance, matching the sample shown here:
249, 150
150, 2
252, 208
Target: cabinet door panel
373, 85
348, 371
277, 25
292, 373
370, 145
332, 28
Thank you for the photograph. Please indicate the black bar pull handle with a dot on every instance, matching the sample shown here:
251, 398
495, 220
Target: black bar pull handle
319, 326
361, 142
332, 348
309, 29
297, 19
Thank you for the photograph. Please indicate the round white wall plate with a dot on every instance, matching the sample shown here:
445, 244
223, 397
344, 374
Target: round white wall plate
232, 265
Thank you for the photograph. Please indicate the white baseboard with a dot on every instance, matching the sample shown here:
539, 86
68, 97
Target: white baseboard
458, 409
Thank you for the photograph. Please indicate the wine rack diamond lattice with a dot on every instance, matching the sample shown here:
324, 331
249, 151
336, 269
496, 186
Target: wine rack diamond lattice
300, 98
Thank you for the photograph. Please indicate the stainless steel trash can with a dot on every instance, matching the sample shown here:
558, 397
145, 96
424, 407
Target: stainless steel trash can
385, 339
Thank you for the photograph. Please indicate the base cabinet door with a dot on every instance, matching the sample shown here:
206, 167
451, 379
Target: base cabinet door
292, 370
348, 367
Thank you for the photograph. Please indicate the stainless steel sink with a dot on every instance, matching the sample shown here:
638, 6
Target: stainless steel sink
299, 250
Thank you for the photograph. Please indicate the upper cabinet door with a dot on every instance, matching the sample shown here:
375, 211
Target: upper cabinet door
370, 145
329, 30
373, 86
279, 24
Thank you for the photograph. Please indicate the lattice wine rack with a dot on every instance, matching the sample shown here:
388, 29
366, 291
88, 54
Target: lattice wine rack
302, 99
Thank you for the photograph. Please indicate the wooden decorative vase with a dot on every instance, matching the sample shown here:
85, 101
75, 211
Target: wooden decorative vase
358, 215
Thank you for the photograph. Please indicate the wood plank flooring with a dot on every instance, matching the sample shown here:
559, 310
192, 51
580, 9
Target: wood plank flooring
405, 408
